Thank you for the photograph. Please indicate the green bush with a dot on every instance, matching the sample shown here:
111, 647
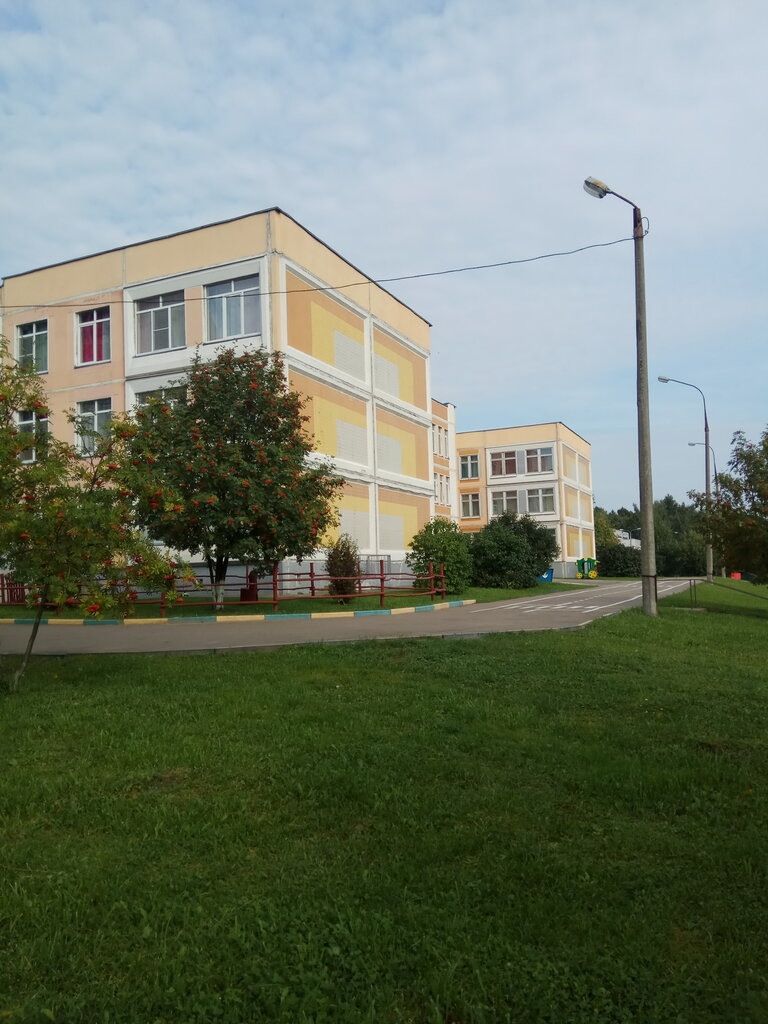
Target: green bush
343, 562
442, 543
512, 551
617, 560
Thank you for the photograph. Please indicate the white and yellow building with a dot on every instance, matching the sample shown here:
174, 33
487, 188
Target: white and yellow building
444, 460
108, 329
543, 470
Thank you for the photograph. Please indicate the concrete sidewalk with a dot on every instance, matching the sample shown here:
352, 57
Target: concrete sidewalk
559, 610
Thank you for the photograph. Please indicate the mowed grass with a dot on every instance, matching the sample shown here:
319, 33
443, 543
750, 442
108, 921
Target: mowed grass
733, 597
541, 827
199, 603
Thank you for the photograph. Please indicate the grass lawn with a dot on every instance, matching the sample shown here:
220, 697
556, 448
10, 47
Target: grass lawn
734, 597
199, 603
566, 828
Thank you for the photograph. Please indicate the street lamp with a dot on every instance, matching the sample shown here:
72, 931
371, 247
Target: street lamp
648, 550
694, 444
707, 446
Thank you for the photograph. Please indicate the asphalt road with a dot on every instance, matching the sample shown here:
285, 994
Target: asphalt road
559, 610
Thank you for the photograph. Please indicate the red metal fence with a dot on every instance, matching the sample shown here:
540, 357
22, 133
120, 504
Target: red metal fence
254, 589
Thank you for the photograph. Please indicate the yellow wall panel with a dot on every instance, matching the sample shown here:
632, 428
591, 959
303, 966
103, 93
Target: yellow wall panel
569, 463
324, 325
571, 502
355, 498
407, 445
572, 542
411, 368
326, 415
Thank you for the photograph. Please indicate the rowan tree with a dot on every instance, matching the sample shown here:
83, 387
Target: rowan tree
226, 470
67, 533
738, 516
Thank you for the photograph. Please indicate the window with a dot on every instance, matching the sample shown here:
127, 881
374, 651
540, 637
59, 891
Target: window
160, 323
503, 463
234, 308
31, 423
538, 460
503, 501
169, 395
442, 490
33, 345
93, 336
542, 499
470, 506
93, 418
435, 476
469, 468
434, 439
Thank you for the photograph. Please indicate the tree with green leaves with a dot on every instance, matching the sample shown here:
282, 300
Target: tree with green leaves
738, 516
226, 469
441, 542
604, 531
68, 535
512, 551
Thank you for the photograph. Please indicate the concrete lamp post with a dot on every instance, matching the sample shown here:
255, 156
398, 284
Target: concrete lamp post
648, 549
707, 449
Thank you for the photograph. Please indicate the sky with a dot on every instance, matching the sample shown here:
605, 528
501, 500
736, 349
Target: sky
416, 136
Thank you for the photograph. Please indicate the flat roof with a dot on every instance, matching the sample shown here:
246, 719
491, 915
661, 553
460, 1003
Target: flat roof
215, 224
522, 426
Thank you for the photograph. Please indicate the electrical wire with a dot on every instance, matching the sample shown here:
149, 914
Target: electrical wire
354, 284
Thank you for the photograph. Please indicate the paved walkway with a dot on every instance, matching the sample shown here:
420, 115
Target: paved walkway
558, 610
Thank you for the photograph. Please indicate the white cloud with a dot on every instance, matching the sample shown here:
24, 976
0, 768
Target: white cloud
419, 135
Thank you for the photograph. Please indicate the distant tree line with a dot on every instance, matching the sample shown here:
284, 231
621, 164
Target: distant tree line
680, 541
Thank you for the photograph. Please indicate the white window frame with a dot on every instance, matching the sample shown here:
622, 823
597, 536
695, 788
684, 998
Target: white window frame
470, 502
30, 422
155, 309
227, 301
468, 463
169, 395
95, 419
504, 458
33, 337
91, 318
540, 496
507, 500
538, 457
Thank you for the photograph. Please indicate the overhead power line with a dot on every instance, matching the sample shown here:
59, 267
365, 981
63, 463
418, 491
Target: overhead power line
364, 283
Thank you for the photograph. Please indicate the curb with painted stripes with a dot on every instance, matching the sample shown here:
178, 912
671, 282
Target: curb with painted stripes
238, 618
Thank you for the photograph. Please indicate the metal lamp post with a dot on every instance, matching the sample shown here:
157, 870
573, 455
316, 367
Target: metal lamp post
648, 550
707, 447
695, 444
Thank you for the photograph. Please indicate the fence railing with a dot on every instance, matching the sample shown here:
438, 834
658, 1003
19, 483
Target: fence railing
252, 588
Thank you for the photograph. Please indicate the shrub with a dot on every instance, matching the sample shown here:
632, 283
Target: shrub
442, 543
343, 562
618, 560
544, 547
512, 551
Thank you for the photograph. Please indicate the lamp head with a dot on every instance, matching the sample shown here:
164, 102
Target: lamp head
664, 380
692, 444
596, 188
